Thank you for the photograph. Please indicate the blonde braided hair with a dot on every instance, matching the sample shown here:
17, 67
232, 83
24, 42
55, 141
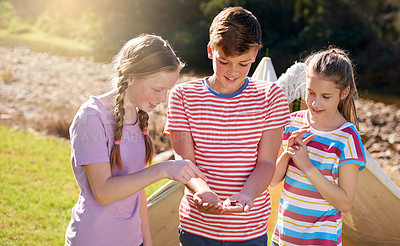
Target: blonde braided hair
119, 113
140, 58
143, 124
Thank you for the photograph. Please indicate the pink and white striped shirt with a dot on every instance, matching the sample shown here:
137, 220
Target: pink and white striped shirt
226, 130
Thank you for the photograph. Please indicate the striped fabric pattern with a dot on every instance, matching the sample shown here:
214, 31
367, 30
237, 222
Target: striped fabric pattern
226, 130
304, 216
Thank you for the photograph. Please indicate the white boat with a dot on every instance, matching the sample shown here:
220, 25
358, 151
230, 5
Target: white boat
374, 218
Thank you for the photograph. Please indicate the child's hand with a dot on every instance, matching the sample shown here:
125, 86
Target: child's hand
237, 203
207, 202
183, 171
297, 134
298, 153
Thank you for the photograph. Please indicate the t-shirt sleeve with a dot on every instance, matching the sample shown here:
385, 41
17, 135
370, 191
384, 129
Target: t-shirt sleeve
354, 152
177, 119
88, 138
278, 113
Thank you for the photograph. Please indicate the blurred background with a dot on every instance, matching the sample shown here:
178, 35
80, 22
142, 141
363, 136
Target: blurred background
369, 29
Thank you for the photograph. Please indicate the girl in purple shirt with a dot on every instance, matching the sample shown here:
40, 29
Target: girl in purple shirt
110, 146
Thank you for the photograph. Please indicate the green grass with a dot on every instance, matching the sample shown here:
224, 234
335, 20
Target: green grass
44, 42
37, 188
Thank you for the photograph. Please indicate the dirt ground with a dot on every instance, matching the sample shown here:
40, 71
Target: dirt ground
42, 92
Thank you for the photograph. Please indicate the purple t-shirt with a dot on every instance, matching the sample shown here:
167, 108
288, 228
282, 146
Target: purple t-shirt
92, 139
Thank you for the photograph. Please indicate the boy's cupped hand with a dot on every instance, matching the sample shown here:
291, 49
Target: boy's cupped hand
237, 203
209, 202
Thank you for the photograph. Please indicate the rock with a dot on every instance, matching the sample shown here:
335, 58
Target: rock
376, 148
395, 169
394, 138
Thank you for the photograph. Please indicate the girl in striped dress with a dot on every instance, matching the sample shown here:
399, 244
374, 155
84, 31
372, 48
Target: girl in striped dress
321, 156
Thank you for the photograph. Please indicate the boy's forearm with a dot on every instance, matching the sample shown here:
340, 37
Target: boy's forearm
259, 179
197, 185
183, 146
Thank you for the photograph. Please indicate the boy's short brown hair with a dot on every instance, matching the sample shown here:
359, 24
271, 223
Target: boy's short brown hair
235, 30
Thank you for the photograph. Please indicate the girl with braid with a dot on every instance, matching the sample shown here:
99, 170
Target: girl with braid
110, 146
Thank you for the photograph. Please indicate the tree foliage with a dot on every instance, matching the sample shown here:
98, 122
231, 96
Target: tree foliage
291, 28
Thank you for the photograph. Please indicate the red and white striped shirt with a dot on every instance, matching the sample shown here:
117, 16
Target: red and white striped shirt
226, 130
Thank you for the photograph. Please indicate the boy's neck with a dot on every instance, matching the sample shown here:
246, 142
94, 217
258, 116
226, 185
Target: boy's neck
216, 86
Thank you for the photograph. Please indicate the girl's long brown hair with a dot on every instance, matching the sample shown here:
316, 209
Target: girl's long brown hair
334, 64
140, 58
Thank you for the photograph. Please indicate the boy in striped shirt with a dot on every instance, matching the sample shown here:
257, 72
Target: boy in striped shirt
231, 127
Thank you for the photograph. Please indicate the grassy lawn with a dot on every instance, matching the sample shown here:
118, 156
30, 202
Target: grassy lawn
43, 42
37, 188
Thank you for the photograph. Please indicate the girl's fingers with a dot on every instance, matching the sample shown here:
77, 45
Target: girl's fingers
294, 135
185, 179
291, 139
190, 172
308, 139
300, 132
304, 129
300, 142
201, 175
290, 151
186, 176
297, 134
196, 172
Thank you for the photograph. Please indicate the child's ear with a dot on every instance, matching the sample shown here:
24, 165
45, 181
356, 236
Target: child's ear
345, 92
209, 51
130, 80
255, 55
